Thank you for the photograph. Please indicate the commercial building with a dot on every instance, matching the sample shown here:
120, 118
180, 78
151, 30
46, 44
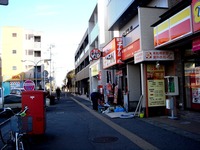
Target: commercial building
178, 30
149, 54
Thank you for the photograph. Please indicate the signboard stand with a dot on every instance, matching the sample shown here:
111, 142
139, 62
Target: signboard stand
171, 103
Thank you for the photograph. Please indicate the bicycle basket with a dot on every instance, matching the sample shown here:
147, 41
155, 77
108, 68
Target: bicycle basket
21, 124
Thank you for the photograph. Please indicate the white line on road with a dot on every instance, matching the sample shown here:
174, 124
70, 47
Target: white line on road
132, 137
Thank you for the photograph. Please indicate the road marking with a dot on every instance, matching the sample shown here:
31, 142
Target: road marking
132, 137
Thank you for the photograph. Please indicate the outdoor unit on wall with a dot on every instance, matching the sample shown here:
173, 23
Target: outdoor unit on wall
171, 86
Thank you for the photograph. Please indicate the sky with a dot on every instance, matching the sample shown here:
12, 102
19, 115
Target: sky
63, 23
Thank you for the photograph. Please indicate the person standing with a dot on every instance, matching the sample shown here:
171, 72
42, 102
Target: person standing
95, 97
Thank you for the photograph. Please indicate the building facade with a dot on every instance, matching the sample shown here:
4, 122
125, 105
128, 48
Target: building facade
149, 54
82, 66
21, 58
178, 30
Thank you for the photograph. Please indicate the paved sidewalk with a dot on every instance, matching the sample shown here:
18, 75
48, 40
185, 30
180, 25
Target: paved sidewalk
187, 124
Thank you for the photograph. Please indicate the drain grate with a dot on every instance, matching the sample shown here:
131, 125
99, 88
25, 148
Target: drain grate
104, 139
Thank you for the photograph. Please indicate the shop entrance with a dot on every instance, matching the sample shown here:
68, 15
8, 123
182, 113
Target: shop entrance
192, 85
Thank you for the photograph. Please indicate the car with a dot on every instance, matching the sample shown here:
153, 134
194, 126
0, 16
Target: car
17, 91
13, 100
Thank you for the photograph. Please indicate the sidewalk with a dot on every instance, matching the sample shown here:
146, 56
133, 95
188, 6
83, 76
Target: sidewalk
187, 124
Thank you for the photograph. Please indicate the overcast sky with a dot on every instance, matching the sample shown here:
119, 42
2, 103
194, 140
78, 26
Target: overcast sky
63, 23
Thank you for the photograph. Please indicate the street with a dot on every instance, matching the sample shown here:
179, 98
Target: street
71, 124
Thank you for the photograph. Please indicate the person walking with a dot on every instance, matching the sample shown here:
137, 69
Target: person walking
58, 92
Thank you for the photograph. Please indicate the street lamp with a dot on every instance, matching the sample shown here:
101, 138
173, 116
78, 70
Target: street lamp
36, 63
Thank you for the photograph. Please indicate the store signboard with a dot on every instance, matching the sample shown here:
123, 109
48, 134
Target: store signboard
16, 77
112, 53
177, 26
155, 85
14, 85
94, 70
156, 93
196, 15
153, 55
161, 33
128, 51
95, 54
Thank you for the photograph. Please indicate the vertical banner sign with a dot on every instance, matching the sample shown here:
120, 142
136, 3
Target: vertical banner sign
155, 86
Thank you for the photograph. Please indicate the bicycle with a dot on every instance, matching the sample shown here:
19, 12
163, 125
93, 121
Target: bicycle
20, 125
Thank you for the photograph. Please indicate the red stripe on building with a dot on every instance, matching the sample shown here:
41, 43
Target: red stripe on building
180, 29
163, 37
128, 51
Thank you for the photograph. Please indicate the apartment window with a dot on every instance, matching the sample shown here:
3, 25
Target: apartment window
14, 34
14, 68
14, 51
37, 54
30, 52
37, 38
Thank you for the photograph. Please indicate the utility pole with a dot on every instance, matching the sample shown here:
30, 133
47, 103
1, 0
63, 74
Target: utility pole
50, 78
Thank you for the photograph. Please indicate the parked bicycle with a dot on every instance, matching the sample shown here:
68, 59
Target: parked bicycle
20, 125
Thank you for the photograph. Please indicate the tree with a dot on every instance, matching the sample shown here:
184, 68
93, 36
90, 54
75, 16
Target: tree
70, 76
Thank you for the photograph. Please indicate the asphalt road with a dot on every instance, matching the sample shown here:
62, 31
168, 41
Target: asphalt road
73, 125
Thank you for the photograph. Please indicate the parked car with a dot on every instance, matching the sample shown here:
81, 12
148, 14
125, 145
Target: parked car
17, 91
13, 100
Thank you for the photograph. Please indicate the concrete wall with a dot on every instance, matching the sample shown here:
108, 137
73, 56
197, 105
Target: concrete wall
145, 22
134, 85
115, 9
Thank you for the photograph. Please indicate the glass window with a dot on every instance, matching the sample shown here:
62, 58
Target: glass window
14, 68
30, 52
192, 82
14, 34
14, 51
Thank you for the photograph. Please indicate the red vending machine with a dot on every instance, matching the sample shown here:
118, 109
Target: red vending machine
35, 100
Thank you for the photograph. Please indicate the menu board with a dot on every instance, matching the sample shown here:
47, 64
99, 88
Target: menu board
155, 86
156, 93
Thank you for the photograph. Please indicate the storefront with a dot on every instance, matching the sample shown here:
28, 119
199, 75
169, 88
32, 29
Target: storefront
154, 64
180, 32
112, 64
192, 79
